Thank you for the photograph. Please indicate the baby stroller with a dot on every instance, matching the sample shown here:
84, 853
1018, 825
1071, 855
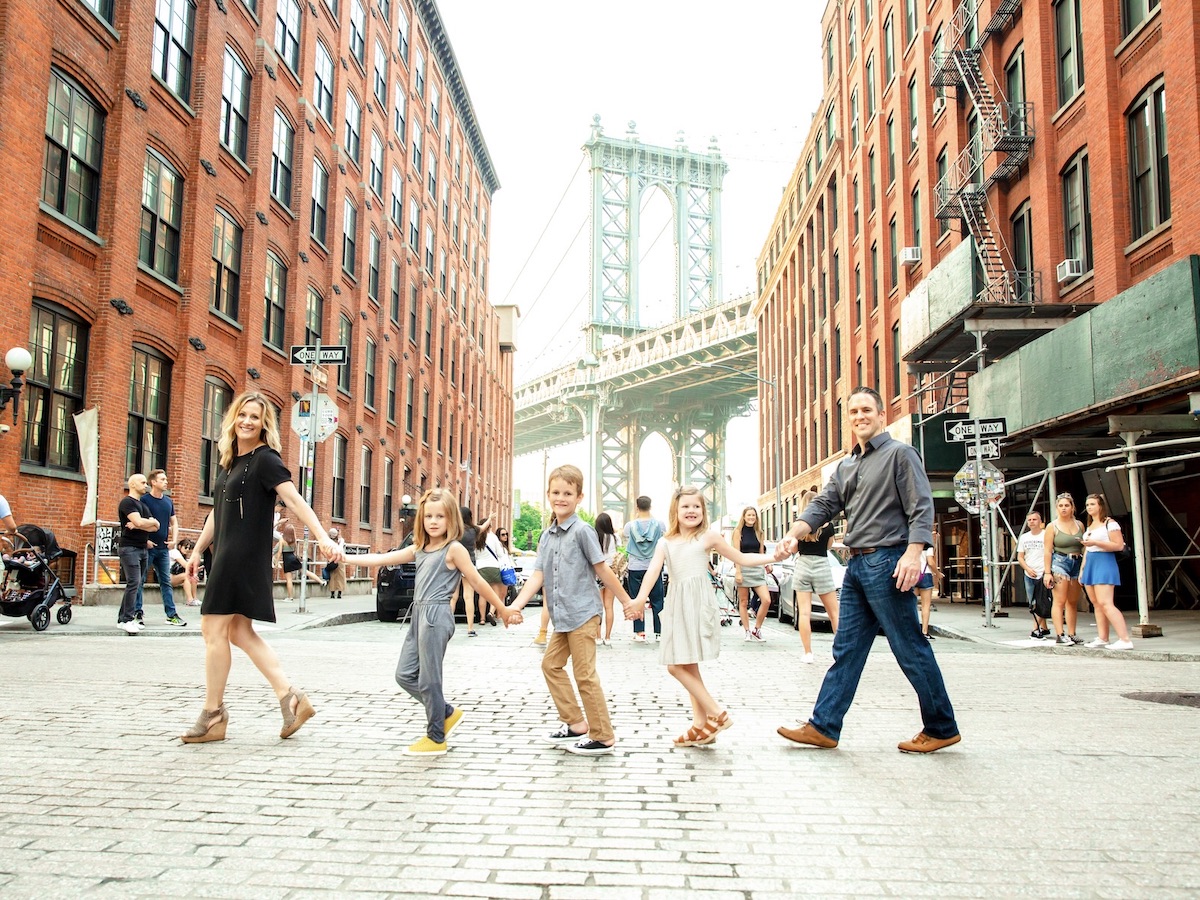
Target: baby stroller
726, 608
30, 588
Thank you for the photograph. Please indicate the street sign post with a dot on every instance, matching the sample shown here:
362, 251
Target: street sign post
315, 420
306, 354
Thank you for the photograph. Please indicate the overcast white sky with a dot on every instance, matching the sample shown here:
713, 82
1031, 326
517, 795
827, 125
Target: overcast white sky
537, 71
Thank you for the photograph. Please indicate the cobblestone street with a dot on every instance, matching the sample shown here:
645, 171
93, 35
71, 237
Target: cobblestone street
1061, 786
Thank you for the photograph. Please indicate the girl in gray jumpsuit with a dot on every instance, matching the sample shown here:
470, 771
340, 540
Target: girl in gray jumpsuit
442, 564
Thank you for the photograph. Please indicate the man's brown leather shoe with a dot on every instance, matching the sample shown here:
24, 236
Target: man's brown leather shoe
923, 743
806, 734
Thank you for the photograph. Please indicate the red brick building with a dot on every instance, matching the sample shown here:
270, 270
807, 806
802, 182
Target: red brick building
192, 188
1039, 135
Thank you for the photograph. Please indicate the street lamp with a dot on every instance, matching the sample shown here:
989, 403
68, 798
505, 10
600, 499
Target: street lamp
774, 429
19, 360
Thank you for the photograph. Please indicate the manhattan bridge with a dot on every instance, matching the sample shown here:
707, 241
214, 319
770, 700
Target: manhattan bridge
684, 380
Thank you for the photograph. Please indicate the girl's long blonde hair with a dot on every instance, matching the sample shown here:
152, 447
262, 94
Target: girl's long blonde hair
737, 532
454, 522
228, 440
673, 513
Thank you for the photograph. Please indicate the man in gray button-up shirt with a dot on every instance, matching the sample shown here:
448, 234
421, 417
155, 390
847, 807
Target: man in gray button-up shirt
882, 488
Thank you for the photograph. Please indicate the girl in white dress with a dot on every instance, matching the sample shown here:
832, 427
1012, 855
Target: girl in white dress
691, 630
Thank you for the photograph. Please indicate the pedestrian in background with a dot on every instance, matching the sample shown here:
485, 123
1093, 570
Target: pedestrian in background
568, 563
642, 534
158, 548
1100, 576
691, 621
442, 563
748, 538
490, 558
607, 536
1031, 548
251, 477
883, 490
469, 539
136, 527
335, 572
930, 575
813, 575
1061, 558
179, 579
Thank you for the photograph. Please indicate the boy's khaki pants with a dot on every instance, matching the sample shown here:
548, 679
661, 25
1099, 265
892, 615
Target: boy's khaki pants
580, 646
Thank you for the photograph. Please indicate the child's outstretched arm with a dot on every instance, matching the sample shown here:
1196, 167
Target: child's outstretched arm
461, 560
713, 541
391, 558
533, 584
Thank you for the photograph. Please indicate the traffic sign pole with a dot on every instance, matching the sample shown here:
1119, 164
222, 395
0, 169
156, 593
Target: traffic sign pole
307, 483
985, 533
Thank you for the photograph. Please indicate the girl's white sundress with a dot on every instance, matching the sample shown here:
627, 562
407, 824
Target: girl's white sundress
691, 628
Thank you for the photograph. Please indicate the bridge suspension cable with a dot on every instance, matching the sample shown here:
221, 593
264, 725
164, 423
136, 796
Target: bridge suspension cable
545, 228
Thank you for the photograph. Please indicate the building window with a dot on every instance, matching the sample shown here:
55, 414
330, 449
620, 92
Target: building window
275, 303
910, 28
369, 375
890, 134
975, 143
74, 150
394, 308
397, 199
916, 216
376, 169
875, 368
358, 31
320, 201
419, 75
428, 332
217, 397
874, 276
1134, 13
391, 389
398, 122
364, 486
425, 417
943, 186
1014, 82
338, 497
226, 265
897, 387
409, 391
54, 388
149, 408
380, 83
872, 185
889, 49
440, 420
102, 8
287, 33
1077, 214
412, 312
174, 24
1149, 169
837, 353
829, 56
282, 143
414, 225
869, 87
1022, 252
894, 250
323, 83
345, 338
374, 248
855, 207
435, 107
429, 249
416, 147
402, 32
389, 480
235, 105
314, 315
349, 239
162, 210
433, 174
851, 37
353, 126
1068, 39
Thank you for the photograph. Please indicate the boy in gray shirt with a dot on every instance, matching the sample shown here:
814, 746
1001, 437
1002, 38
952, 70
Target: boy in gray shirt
569, 562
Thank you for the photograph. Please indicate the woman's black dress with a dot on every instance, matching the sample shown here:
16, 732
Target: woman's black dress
243, 517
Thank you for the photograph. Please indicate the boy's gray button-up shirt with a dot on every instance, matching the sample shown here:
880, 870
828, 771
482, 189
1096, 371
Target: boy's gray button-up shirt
566, 556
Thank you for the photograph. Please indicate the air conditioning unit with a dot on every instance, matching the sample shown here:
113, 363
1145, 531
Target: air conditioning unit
1069, 270
910, 256
939, 104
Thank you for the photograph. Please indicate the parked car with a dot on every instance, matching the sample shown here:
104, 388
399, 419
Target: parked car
394, 591
787, 597
523, 561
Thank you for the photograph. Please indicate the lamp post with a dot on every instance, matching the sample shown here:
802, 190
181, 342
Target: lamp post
775, 429
19, 361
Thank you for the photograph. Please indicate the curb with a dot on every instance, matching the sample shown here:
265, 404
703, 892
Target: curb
1146, 655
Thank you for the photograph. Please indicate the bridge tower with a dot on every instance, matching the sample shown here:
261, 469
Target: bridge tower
622, 171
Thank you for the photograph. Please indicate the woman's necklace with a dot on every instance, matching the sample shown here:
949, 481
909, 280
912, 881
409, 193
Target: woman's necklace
241, 484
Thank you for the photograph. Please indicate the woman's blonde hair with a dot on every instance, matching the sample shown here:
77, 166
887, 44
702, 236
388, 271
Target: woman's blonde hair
1065, 495
454, 522
806, 498
737, 532
673, 513
269, 434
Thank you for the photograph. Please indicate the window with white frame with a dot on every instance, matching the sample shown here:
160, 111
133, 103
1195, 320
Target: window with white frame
319, 218
1068, 40
402, 32
419, 75
235, 105
162, 214
398, 121
416, 147
74, 151
374, 249
283, 140
55, 386
353, 127
376, 170
350, 239
226, 264
275, 301
171, 56
1077, 212
380, 78
358, 31
287, 33
1134, 13
414, 224
397, 198
1149, 167
323, 83
369, 352
217, 397
337, 499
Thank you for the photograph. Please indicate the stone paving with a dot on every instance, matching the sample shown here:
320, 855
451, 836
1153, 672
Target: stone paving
1060, 788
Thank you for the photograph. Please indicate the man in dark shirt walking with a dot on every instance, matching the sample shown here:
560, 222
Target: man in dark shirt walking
882, 488
136, 527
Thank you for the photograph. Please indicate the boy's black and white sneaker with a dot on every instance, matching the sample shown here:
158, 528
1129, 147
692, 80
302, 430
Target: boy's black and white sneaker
590, 748
564, 735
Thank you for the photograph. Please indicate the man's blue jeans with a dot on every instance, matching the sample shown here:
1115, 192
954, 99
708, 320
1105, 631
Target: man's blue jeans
133, 573
869, 601
635, 577
160, 561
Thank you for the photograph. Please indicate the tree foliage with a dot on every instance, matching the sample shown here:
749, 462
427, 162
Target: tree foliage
528, 527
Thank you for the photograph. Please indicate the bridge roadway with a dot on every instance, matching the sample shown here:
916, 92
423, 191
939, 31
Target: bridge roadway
654, 377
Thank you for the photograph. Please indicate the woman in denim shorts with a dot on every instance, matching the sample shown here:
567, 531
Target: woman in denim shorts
812, 575
1064, 553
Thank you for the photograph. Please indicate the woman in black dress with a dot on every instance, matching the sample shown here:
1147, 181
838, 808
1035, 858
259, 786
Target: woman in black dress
239, 588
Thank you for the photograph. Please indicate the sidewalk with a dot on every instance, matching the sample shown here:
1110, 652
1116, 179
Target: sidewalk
964, 621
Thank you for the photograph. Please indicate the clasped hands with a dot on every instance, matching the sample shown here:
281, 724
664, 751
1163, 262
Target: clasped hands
635, 609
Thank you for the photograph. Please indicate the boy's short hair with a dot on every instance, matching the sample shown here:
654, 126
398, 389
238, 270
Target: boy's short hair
570, 474
643, 503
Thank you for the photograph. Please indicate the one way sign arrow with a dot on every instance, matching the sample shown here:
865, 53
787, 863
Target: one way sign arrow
306, 354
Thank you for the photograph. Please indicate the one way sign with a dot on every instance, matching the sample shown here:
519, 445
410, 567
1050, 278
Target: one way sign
306, 354
965, 429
